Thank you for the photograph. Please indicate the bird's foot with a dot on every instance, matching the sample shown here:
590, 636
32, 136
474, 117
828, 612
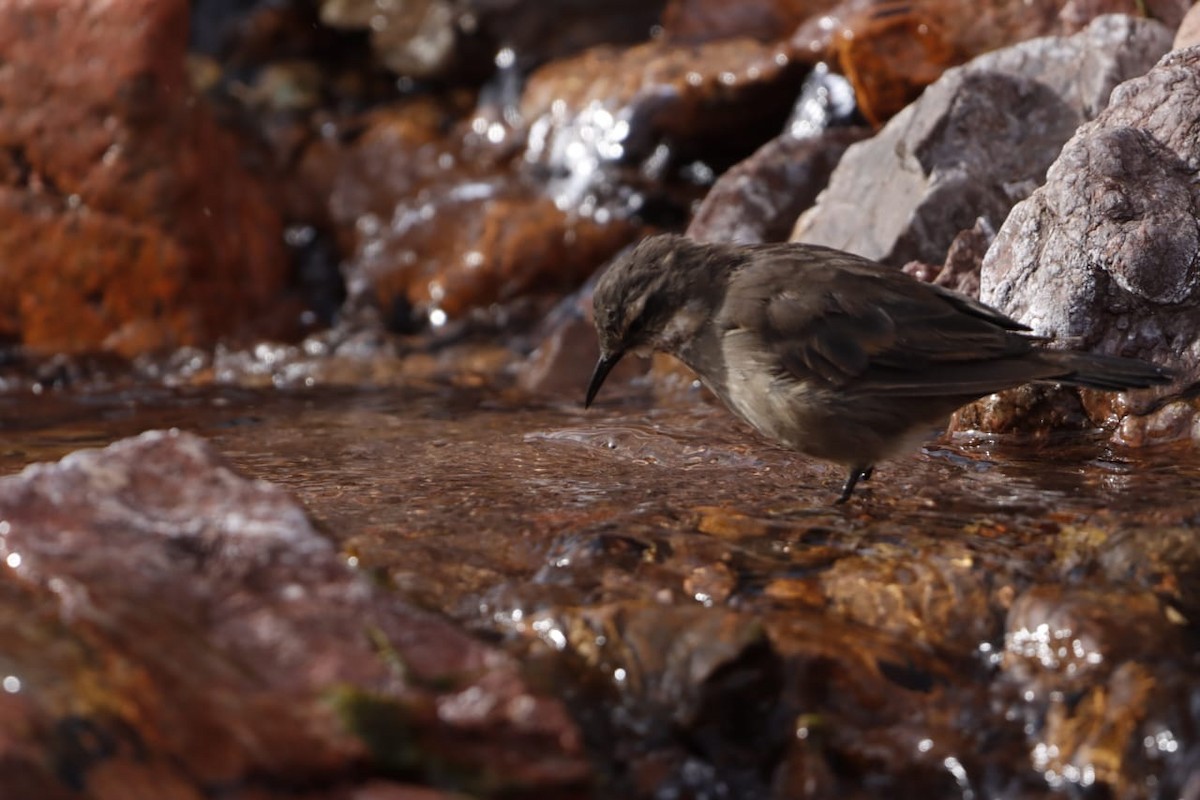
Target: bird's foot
856, 474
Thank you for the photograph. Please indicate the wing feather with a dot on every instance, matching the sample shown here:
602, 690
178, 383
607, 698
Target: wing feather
852, 323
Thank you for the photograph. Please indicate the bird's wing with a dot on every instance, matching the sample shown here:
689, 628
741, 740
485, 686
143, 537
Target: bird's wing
850, 322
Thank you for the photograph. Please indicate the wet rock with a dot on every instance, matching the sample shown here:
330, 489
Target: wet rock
717, 100
418, 39
975, 143
1163, 559
1107, 253
943, 596
869, 712
502, 205
1030, 409
207, 637
892, 50
458, 38
452, 248
442, 222
114, 176
693, 693
1098, 711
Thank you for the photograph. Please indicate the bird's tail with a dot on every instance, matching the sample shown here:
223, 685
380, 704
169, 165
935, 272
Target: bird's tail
1113, 373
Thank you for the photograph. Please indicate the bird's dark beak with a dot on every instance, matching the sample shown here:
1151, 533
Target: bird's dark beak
603, 367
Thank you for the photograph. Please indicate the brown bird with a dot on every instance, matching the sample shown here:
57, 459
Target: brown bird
825, 352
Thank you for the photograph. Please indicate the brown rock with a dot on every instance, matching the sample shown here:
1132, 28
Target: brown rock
466, 219
1107, 253
891, 54
206, 636
126, 221
941, 597
963, 260
723, 98
458, 39
1096, 709
892, 50
759, 199
976, 142
475, 249
440, 223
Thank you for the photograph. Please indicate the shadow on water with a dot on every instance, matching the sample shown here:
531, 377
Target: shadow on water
720, 628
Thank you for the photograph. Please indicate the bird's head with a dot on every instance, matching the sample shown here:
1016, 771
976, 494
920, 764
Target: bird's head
655, 297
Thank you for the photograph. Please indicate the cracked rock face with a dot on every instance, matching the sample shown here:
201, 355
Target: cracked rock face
1106, 255
978, 141
1108, 250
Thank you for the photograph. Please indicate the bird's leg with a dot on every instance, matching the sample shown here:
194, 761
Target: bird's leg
856, 474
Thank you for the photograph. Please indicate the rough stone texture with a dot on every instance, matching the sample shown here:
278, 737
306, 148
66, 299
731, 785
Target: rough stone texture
1107, 253
206, 637
758, 199
126, 222
975, 143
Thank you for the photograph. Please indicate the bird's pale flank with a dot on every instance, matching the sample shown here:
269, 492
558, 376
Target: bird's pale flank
825, 352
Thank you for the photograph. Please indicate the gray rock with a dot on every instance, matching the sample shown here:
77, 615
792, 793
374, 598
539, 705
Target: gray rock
1108, 251
978, 141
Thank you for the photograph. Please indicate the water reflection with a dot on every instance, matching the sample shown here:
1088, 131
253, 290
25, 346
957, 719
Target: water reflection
657, 549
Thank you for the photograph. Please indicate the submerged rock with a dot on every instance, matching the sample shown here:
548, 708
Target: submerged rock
206, 637
1097, 711
976, 142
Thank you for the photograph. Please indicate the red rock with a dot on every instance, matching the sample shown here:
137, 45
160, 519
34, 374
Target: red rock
126, 222
176, 628
447, 251
728, 96
891, 50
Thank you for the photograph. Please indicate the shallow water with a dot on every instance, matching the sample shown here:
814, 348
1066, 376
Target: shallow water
555, 530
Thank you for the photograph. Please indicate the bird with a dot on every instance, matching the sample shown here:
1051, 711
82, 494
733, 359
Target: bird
824, 352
